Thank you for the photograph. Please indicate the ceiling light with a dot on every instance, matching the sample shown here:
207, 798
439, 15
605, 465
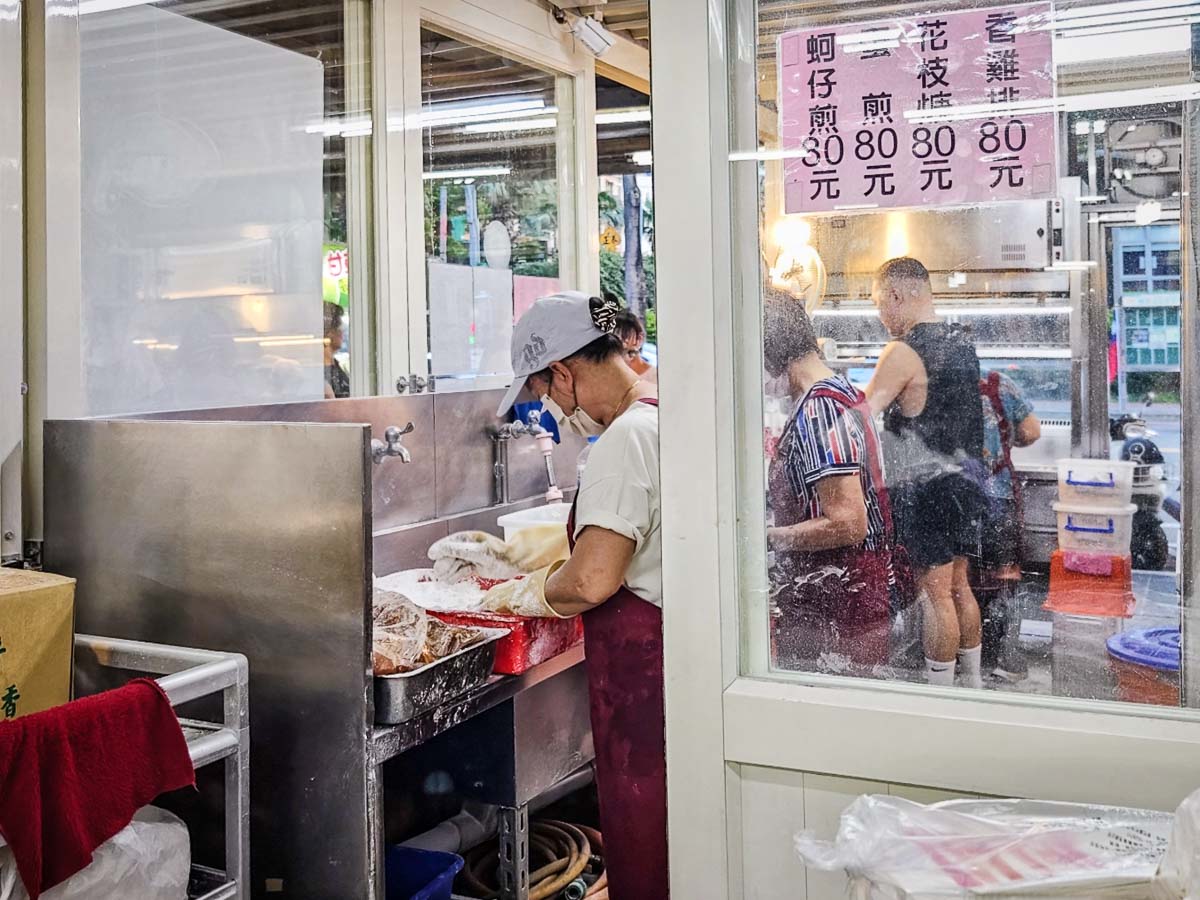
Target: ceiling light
543, 124
466, 173
619, 116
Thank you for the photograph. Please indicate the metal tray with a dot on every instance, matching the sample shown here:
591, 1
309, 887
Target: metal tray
399, 698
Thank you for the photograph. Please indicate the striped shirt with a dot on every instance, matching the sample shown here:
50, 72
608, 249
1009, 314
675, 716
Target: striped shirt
825, 437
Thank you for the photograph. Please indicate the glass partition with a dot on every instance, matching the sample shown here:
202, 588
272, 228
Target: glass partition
219, 142
498, 157
626, 205
967, 266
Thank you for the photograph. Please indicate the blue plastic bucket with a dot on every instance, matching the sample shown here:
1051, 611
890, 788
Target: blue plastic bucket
420, 874
1146, 663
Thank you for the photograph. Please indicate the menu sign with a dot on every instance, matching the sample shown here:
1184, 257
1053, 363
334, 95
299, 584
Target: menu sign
946, 108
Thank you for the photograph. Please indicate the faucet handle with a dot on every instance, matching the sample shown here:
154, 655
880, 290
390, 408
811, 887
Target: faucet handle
393, 434
392, 445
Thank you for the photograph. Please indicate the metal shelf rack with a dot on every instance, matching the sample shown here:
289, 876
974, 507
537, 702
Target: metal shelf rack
186, 675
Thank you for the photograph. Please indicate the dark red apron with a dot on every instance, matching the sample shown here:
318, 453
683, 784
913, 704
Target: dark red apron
624, 647
831, 601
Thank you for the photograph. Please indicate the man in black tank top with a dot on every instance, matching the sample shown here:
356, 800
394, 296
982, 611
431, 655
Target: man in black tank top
927, 387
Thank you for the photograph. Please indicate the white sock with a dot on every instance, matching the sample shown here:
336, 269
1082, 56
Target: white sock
970, 664
939, 673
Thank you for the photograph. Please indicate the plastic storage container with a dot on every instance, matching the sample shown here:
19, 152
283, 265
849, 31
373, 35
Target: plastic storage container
1095, 482
420, 874
551, 514
1146, 663
529, 642
1101, 529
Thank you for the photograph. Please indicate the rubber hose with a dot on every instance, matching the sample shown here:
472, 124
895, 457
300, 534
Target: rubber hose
599, 890
567, 849
576, 890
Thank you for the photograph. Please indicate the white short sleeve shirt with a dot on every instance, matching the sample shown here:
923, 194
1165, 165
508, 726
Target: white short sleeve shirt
620, 492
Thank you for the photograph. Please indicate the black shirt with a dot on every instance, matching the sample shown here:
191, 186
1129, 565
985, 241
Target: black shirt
949, 430
337, 379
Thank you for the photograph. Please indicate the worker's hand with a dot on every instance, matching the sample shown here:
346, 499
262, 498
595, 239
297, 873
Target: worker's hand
471, 553
538, 546
478, 554
525, 596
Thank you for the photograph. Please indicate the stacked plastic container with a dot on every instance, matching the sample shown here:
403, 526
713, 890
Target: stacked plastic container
1090, 574
1095, 508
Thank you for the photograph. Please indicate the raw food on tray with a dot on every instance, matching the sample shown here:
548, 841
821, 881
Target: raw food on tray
423, 588
406, 638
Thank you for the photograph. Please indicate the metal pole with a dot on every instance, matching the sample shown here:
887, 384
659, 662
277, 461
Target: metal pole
1189, 372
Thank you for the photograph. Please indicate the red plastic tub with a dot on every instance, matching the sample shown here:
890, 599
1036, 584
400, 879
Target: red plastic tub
1146, 663
529, 642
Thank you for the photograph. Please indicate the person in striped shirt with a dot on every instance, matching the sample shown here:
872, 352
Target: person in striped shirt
831, 532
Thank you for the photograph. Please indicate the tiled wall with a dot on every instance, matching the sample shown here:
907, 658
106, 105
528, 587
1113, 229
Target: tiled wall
449, 485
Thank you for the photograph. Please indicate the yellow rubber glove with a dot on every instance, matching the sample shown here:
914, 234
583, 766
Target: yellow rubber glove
524, 597
476, 553
538, 546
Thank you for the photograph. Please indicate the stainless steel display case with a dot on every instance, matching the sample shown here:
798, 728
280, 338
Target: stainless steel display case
257, 530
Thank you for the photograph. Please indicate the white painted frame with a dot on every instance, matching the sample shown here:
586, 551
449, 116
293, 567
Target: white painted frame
12, 287
53, 215
520, 30
718, 720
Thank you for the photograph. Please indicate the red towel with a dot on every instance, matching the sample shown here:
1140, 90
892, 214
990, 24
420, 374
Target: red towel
73, 776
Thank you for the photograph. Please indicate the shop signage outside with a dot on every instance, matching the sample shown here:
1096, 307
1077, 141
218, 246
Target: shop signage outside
948, 108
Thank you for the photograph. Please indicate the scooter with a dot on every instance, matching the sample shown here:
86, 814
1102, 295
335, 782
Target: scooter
1148, 546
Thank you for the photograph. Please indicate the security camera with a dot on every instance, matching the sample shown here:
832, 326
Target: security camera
595, 37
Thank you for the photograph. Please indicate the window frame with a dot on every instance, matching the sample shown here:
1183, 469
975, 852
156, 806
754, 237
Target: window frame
520, 31
718, 719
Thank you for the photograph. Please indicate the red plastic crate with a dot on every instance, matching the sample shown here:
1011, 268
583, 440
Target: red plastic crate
529, 642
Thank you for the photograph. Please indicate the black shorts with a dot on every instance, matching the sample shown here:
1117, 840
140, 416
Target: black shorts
938, 520
1001, 534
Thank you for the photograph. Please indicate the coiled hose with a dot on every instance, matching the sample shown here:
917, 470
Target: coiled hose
562, 855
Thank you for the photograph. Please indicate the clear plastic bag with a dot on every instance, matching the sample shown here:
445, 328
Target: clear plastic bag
894, 849
1179, 874
149, 859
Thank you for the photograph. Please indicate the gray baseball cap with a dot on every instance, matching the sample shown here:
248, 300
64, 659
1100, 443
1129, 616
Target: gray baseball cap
550, 331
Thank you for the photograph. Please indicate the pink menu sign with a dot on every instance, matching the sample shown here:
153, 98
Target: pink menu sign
948, 108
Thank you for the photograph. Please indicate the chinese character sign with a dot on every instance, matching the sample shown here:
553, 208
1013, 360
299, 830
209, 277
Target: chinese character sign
946, 108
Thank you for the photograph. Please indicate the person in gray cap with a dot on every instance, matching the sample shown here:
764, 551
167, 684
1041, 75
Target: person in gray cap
565, 352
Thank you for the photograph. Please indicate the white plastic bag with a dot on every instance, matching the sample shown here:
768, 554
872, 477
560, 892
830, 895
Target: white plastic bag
149, 859
895, 849
1179, 874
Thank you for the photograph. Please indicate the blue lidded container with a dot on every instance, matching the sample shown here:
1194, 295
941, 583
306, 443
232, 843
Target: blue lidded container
420, 874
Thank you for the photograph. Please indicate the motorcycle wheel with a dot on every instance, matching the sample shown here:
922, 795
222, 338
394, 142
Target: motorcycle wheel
1149, 546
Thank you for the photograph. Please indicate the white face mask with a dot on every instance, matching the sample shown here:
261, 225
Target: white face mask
578, 423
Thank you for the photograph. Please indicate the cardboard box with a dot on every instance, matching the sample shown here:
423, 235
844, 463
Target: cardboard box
37, 637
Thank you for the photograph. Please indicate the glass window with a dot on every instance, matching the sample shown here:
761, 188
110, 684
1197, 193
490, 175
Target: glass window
497, 140
1173, 316
219, 144
1166, 261
626, 204
899, 166
1134, 261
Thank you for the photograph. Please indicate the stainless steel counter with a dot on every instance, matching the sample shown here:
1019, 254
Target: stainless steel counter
392, 740
257, 531
505, 743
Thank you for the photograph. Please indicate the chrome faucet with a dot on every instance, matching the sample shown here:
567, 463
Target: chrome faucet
502, 436
532, 426
391, 445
